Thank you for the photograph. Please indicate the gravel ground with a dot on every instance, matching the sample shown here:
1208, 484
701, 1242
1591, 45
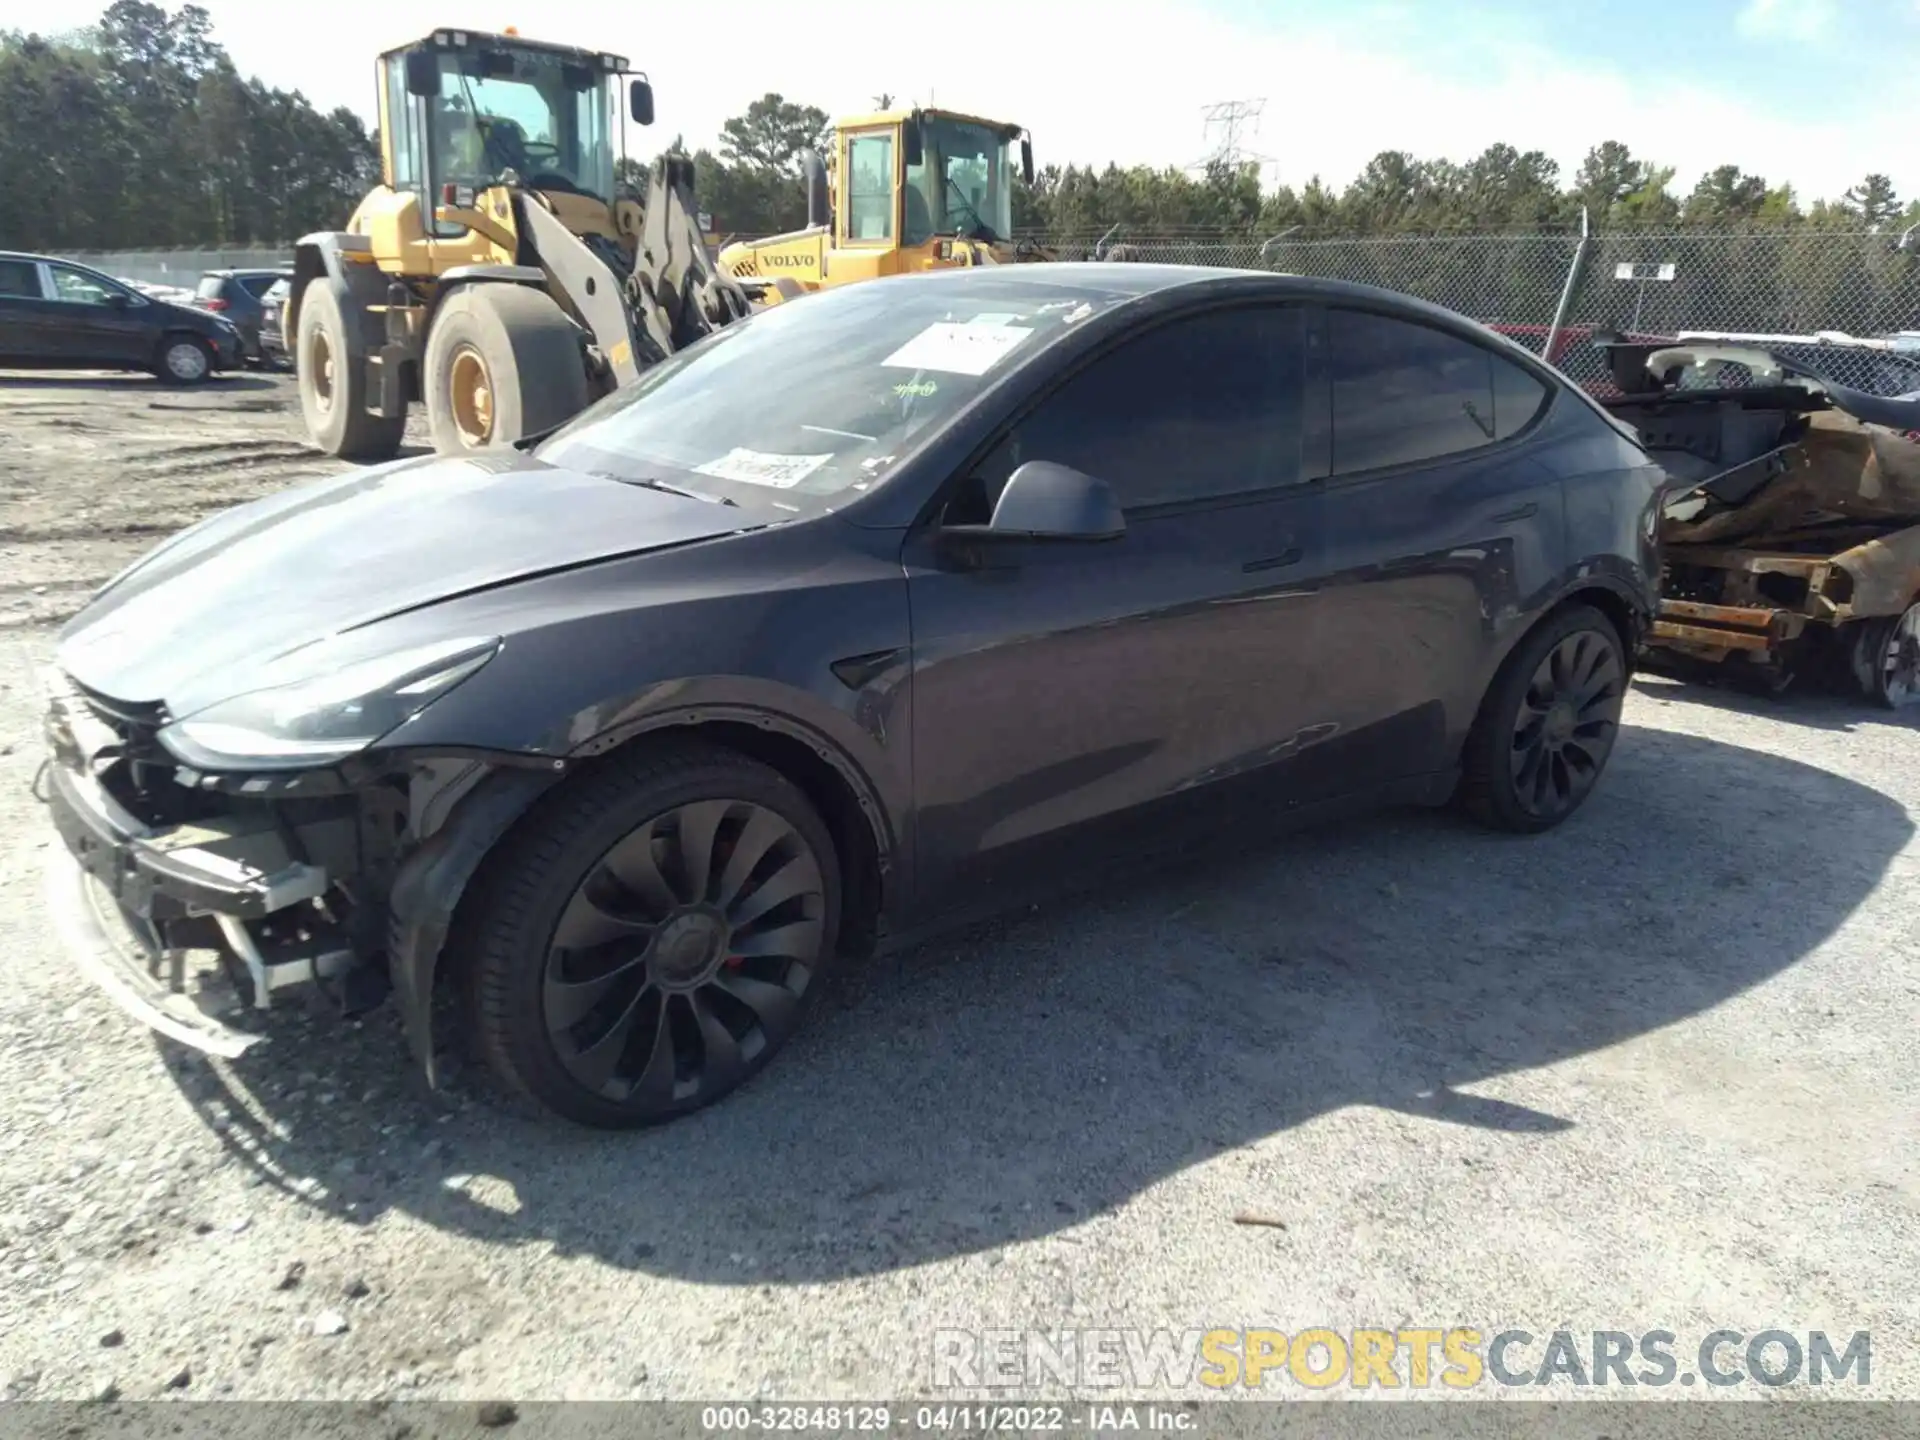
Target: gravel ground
1656, 1070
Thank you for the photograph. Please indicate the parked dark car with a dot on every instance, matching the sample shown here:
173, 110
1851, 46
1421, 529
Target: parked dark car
273, 309
863, 611
238, 295
56, 315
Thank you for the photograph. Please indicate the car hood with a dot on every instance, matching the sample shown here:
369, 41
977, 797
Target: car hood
191, 317
186, 625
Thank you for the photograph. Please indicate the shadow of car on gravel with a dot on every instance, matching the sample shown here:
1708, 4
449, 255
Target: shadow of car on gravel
1015, 1080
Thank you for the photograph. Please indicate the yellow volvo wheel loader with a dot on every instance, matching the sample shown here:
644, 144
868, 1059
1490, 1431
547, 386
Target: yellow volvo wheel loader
494, 275
903, 191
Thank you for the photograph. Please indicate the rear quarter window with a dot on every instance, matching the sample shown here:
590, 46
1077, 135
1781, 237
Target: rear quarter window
1517, 398
1404, 393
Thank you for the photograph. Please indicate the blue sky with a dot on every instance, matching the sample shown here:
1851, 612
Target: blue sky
1814, 92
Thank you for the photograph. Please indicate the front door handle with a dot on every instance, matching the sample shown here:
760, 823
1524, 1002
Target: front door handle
1519, 512
1273, 562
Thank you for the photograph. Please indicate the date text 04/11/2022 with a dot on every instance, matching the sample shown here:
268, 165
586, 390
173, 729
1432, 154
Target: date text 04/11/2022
949, 1418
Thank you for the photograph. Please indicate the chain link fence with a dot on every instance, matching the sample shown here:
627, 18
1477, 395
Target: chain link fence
1781, 283
181, 268
1654, 285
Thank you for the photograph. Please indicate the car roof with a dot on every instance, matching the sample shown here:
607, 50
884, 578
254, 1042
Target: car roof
1134, 279
1130, 281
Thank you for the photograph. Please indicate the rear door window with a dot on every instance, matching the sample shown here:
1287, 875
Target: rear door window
20, 280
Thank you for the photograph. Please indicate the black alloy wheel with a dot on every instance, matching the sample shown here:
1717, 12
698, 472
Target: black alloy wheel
1547, 725
651, 938
684, 953
1565, 726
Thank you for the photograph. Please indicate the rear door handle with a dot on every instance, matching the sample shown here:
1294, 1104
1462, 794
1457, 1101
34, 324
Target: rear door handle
1273, 562
1519, 512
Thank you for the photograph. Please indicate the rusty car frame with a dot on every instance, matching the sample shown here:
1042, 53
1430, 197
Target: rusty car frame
1791, 541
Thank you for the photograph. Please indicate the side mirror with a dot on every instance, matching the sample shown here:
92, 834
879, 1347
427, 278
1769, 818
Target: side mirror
118, 300
1026, 159
910, 140
423, 72
640, 102
1045, 501
819, 201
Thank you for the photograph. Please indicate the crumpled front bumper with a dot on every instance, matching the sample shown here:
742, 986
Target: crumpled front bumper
124, 957
165, 874
116, 885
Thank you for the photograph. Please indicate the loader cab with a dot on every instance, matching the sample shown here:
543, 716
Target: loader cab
459, 108
898, 192
906, 181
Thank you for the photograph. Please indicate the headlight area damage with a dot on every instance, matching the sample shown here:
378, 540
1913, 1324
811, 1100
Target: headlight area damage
1791, 545
270, 846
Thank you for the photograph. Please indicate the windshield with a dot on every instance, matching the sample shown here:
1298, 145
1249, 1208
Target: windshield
808, 404
537, 114
965, 181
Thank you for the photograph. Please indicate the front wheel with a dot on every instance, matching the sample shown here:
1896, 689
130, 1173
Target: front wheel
184, 360
503, 361
651, 935
1547, 724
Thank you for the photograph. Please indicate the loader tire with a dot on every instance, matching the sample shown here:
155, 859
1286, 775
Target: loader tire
332, 375
503, 361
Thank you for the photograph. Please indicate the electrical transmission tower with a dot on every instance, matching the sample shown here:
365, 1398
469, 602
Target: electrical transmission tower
1230, 127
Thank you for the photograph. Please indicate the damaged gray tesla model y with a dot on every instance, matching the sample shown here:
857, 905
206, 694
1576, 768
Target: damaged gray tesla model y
859, 612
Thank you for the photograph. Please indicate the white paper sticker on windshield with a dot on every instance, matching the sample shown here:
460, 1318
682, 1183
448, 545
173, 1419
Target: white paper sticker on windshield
755, 467
970, 349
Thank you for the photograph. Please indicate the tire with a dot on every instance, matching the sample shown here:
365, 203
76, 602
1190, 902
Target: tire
1886, 658
544, 1016
526, 355
333, 381
1547, 724
183, 359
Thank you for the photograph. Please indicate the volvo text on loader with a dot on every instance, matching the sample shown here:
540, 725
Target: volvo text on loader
494, 274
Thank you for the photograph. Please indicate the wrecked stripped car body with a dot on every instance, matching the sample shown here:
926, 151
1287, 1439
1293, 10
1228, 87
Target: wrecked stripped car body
1795, 544
854, 616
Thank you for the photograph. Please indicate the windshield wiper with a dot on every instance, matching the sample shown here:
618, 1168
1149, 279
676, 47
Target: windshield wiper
981, 230
654, 484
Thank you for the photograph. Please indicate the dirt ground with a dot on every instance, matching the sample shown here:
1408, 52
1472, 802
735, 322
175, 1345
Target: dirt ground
96, 469
1655, 1070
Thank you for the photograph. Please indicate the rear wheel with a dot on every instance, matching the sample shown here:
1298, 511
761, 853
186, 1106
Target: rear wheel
333, 381
503, 361
1547, 724
183, 360
1886, 658
652, 935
